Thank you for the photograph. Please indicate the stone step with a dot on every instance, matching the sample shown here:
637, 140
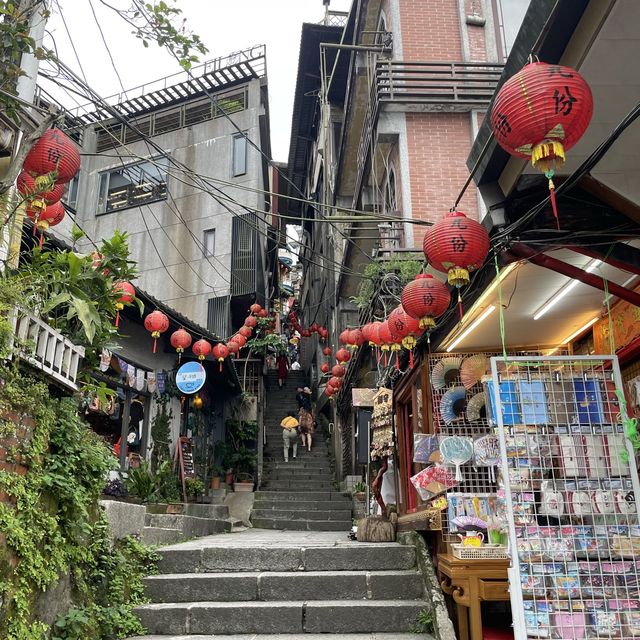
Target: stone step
298, 514
160, 536
304, 496
300, 463
285, 485
309, 585
273, 453
320, 616
381, 556
190, 526
285, 524
298, 474
302, 507
296, 636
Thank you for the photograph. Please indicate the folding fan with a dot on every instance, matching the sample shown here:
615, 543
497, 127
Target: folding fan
475, 406
442, 368
456, 450
472, 369
450, 408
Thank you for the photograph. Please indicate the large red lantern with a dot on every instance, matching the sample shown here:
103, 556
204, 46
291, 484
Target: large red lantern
255, 308
201, 348
540, 113
220, 352
127, 296
355, 339
425, 298
180, 340
54, 151
456, 245
239, 339
27, 187
245, 331
344, 337
324, 367
250, 321
335, 382
338, 371
343, 356
404, 329
370, 333
263, 313
156, 322
233, 347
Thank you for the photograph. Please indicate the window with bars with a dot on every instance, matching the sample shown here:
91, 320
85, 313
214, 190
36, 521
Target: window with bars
132, 186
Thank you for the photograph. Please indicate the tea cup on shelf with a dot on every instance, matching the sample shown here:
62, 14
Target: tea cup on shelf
472, 538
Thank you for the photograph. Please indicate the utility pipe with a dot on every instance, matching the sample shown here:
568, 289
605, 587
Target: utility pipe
612, 258
553, 264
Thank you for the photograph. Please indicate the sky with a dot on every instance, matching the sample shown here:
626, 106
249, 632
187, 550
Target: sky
224, 26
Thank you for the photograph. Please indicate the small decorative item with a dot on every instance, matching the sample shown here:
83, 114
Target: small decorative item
424, 446
201, 348
452, 405
472, 538
486, 451
342, 356
457, 451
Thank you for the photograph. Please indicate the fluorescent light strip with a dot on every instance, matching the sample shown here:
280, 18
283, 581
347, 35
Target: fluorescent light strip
485, 314
563, 291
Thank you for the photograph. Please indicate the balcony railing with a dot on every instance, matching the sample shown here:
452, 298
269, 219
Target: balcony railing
46, 349
424, 86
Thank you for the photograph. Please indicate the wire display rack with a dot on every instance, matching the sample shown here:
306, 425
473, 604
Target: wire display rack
568, 483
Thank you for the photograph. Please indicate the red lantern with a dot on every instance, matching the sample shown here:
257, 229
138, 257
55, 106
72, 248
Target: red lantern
239, 339
180, 340
250, 321
54, 151
201, 348
27, 188
323, 332
233, 347
263, 313
338, 371
425, 299
327, 351
156, 322
371, 333
44, 216
220, 352
456, 245
314, 327
356, 339
305, 333
343, 356
324, 367
255, 308
403, 327
335, 382
329, 390
127, 296
541, 112
344, 337
245, 331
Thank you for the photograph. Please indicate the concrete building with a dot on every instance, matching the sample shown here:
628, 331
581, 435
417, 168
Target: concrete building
188, 185
386, 110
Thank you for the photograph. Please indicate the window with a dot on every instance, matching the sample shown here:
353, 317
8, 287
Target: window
133, 186
239, 167
390, 193
71, 192
209, 245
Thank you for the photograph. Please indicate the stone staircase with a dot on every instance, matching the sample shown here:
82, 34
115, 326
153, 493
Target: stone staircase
260, 584
297, 494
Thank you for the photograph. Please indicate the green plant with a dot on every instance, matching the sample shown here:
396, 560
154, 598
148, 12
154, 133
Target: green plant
262, 345
359, 487
166, 486
239, 448
141, 483
424, 622
194, 486
161, 432
217, 470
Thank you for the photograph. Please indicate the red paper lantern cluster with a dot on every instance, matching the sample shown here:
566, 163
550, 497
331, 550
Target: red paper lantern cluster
52, 162
156, 323
540, 113
294, 321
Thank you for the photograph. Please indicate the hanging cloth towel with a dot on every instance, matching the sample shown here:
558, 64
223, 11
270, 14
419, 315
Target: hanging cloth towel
151, 381
105, 359
123, 366
131, 375
161, 379
140, 380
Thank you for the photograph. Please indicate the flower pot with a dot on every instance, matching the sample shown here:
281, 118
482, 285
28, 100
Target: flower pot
215, 482
243, 486
360, 496
229, 478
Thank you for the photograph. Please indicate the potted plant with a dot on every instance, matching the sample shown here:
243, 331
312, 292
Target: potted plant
360, 491
244, 482
240, 452
216, 471
194, 487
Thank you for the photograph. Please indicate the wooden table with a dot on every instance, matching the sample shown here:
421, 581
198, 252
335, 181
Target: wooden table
470, 582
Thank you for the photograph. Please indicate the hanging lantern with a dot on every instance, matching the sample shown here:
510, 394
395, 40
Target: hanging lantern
456, 245
197, 402
239, 339
156, 322
323, 332
404, 329
540, 113
233, 347
327, 351
425, 298
338, 370
201, 348
180, 340
329, 390
26, 185
127, 296
314, 327
371, 333
324, 367
335, 382
245, 331
344, 337
355, 339
255, 308
220, 352
305, 333
53, 152
250, 321
343, 356
263, 313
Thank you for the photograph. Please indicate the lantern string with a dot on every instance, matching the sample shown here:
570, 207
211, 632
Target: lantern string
460, 304
552, 194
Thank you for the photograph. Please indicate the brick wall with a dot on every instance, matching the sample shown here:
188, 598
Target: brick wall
17, 432
476, 35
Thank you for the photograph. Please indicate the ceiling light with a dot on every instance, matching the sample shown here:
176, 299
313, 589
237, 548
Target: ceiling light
486, 313
563, 291
582, 329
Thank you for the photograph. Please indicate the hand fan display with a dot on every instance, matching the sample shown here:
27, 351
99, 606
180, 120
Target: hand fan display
424, 446
432, 481
486, 452
452, 404
457, 451
442, 368
472, 369
475, 407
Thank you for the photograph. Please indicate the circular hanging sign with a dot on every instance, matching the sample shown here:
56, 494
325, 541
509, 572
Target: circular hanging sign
190, 377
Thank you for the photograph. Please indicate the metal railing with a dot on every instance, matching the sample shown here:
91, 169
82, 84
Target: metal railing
45, 348
425, 86
335, 19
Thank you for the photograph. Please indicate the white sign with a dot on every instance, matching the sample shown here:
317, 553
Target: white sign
190, 377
